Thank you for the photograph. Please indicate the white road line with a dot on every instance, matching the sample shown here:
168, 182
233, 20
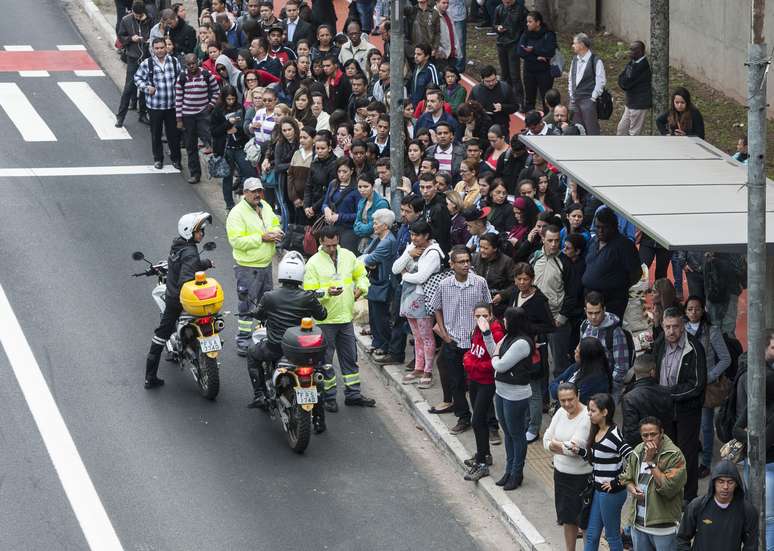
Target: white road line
34, 74
84, 171
19, 48
23, 115
71, 47
99, 115
77, 484
89, 73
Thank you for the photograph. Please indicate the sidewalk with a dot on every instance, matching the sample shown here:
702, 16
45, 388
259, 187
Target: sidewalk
528, 511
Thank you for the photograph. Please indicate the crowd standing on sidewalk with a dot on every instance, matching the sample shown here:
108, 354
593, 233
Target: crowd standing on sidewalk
514, 283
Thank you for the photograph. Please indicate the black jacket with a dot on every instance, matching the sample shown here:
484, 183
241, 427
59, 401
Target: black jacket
498, 272
543, 43
688, 393
502, 93
514, 19
183, 263
645, 398
218, 126
437, 215
572, 307
284, 307
509, 166
634, 80
502, 217
128, 27
183, 37
321, 173
303, 30
612, 269
697, 124
537, 309
711, 527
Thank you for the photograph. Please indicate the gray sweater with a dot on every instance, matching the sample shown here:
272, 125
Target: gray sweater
519, 350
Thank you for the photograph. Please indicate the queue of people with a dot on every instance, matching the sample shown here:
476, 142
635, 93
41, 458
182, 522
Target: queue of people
512, 280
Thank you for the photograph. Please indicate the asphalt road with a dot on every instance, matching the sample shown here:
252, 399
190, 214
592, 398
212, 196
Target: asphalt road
173, 470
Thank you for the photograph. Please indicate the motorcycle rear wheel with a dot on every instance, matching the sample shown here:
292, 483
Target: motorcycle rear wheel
209, 376
299, 429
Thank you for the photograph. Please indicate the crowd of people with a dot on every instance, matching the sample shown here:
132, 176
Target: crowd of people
512, 281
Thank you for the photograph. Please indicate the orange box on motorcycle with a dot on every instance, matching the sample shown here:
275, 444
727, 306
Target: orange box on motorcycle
202, 296
304, 345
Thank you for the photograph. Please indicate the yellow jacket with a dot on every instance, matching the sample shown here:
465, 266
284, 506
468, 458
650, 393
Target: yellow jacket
319, 274
245, 230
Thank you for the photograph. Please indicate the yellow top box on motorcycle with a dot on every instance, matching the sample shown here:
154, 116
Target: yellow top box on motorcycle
201, 296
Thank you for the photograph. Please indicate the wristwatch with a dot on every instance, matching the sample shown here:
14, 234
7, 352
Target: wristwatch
651, 466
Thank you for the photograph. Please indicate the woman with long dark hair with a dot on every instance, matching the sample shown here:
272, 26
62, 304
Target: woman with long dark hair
228, 140
289, 83
501, 216
573, 222
606, 450
682, 118
590, 372
340, 203
302, 108
537, 46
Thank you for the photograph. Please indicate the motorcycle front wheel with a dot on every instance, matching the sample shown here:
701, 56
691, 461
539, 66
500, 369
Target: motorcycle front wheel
299, 426
209, 376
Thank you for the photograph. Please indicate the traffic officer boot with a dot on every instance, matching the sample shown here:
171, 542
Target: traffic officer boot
151, 368
318, 419
259, 388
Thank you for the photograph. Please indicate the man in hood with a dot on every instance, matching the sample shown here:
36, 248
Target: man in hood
722, 519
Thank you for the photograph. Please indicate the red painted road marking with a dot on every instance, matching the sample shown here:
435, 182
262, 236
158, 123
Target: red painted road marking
46, 60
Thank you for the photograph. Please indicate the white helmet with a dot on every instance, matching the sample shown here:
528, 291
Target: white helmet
291, 267
192, 222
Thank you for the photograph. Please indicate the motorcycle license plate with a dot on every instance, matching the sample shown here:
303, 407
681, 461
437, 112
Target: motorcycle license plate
306, 396
210, 344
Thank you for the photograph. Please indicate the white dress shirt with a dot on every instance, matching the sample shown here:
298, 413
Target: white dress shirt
599, 73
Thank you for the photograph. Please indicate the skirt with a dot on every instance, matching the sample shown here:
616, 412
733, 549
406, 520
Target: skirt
567, 496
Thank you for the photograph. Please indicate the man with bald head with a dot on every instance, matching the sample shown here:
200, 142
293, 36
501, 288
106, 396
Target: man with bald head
196, 92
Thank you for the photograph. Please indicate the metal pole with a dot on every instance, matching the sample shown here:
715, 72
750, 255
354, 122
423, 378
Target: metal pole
659, 54
756, 262
397, 148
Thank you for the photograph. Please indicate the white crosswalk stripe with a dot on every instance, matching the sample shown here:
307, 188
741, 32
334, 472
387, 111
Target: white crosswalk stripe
23, 115
94, 109
18, 48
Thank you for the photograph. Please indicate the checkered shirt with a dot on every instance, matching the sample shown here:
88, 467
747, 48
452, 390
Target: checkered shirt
164, 79
456, 300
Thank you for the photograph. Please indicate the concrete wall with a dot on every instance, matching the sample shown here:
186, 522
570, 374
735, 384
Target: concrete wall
708, 38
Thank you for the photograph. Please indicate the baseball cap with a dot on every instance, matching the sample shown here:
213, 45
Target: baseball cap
475, 213
251, 184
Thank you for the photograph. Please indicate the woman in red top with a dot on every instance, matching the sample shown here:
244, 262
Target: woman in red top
481, 385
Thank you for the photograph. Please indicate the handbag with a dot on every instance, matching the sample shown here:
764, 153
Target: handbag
430, 286
252, 152
218, 167
269, 179
310, 241
557, 64
587, 496
294, 238
716, 393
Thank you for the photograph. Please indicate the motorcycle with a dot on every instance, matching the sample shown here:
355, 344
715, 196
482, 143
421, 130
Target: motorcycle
294, 382
196, 343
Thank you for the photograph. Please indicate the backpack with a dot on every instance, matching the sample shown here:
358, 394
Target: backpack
725, 416
735, 350
630, 349
151, 71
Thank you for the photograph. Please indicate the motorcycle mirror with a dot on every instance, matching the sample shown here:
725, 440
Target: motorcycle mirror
137, 255
209, 246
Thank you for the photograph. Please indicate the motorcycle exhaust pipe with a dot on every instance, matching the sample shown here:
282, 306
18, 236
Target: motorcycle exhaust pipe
318, 378
219, 325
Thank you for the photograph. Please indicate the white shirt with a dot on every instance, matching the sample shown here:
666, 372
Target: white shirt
599, 73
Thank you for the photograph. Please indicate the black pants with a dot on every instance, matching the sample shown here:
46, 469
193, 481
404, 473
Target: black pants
196, 127
695, 283
164, 118
130, 90
481, 397
663, 256
263, 351
455, 376
535, 83
166, 327
686, 428
510, 68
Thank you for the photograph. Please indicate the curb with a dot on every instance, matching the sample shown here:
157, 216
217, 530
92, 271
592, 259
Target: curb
100, 21
512, 517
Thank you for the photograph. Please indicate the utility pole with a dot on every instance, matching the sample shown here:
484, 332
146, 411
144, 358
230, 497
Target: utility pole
659, 54
397, 148
757, 65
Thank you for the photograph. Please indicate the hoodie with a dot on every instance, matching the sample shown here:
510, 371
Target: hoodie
713, 527
618, 353
477, 361
233, 74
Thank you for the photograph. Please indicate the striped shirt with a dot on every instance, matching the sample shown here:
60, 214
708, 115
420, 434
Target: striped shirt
263, 134
162, 76
607, 458
198, 92
444, 158
456, 300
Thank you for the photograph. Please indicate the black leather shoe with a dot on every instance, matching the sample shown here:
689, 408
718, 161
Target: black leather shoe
119, 122
259, 401
504, 480
154, 382
158, 165
176, 165
318, 424
331, 406
133, 106
361, 401
143, 119
513, 482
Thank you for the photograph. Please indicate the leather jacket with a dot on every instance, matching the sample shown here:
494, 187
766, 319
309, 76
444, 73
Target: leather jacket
182, 265
284, 307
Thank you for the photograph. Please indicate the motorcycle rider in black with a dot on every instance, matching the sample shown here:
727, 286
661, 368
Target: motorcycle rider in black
280, 309
182, 265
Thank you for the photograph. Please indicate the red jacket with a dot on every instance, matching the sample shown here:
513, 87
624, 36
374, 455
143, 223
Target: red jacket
477, 362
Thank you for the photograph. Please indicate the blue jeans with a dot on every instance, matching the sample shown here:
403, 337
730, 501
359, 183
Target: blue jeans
649, 542
365, 10
513, 419
605, 512
707, 436
677, 273
536, 406
769, 500
461, 33
379, 320
237, 161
